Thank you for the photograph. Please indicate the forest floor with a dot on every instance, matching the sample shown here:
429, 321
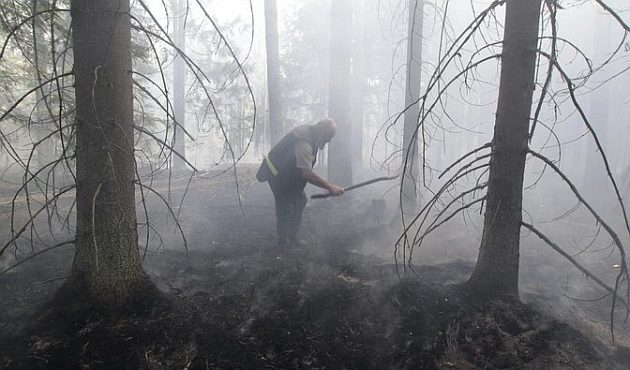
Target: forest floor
235, 300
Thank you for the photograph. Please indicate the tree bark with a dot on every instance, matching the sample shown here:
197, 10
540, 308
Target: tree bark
179, 85
107, 263
276, 118
412, 93
339, 150
496, 272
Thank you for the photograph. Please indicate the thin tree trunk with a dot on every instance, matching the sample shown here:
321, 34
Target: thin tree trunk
44, 123
599, 104
242, 136
339, 150
358, 84
259, 130
179, 84
496, 272
276, 118
412, 93
41, 129
107, 262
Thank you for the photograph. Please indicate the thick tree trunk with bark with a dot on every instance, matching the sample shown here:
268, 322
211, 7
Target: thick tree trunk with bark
496, 272
179, 85
276, 118
107, 263
339, 150
412, 93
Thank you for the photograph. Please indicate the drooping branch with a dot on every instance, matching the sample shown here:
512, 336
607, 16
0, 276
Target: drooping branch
162, 142
614, 14
35, 254
16, 234
592, 132
554, 39
22, 23
434, 225
623, 273
585, 271
425, 211
3, 138
170, 210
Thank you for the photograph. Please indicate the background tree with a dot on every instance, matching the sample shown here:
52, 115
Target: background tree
599, 109
339, 150
180, 16
42, 96
304, 68
359, 85
276, 116
409, 194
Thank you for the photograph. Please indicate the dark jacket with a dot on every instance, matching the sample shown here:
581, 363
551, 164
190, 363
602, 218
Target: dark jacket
282, 158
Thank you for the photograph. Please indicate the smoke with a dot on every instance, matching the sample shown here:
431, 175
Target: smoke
6, 261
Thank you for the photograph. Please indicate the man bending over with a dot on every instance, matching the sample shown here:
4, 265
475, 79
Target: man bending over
288, 167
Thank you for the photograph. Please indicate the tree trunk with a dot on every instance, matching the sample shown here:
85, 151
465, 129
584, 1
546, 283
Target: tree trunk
599, 108
412, 93
339, 150
359, 50
41, 130
179, 85
43, 124
107, 263
260, 129
276, 118
496, 272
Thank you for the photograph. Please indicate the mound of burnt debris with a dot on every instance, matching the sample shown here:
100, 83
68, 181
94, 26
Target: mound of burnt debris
244, 307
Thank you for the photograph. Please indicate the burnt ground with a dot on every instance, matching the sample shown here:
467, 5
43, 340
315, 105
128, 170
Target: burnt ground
237, 301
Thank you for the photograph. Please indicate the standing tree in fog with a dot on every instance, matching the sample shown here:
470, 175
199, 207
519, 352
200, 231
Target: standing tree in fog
493, 173
107, 263
95, 135
179, 10
339, 150
276, 119
40, 129
599, 109
359, 85
409, 192
496, 272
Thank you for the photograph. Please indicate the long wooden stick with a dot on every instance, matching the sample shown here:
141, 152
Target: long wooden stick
355, 186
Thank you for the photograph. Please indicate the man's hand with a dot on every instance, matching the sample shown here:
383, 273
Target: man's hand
335, 190
314, 179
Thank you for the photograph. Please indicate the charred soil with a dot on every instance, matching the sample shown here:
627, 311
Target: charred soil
237, 301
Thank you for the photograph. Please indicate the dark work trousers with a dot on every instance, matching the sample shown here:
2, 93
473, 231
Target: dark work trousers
290, 203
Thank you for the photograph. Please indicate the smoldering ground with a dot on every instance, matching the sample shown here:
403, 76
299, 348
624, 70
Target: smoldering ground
238, 301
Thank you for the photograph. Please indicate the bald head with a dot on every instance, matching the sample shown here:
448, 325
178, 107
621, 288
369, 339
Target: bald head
325, 130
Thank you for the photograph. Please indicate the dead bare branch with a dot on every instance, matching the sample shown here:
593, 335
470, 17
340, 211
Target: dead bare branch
584, 270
